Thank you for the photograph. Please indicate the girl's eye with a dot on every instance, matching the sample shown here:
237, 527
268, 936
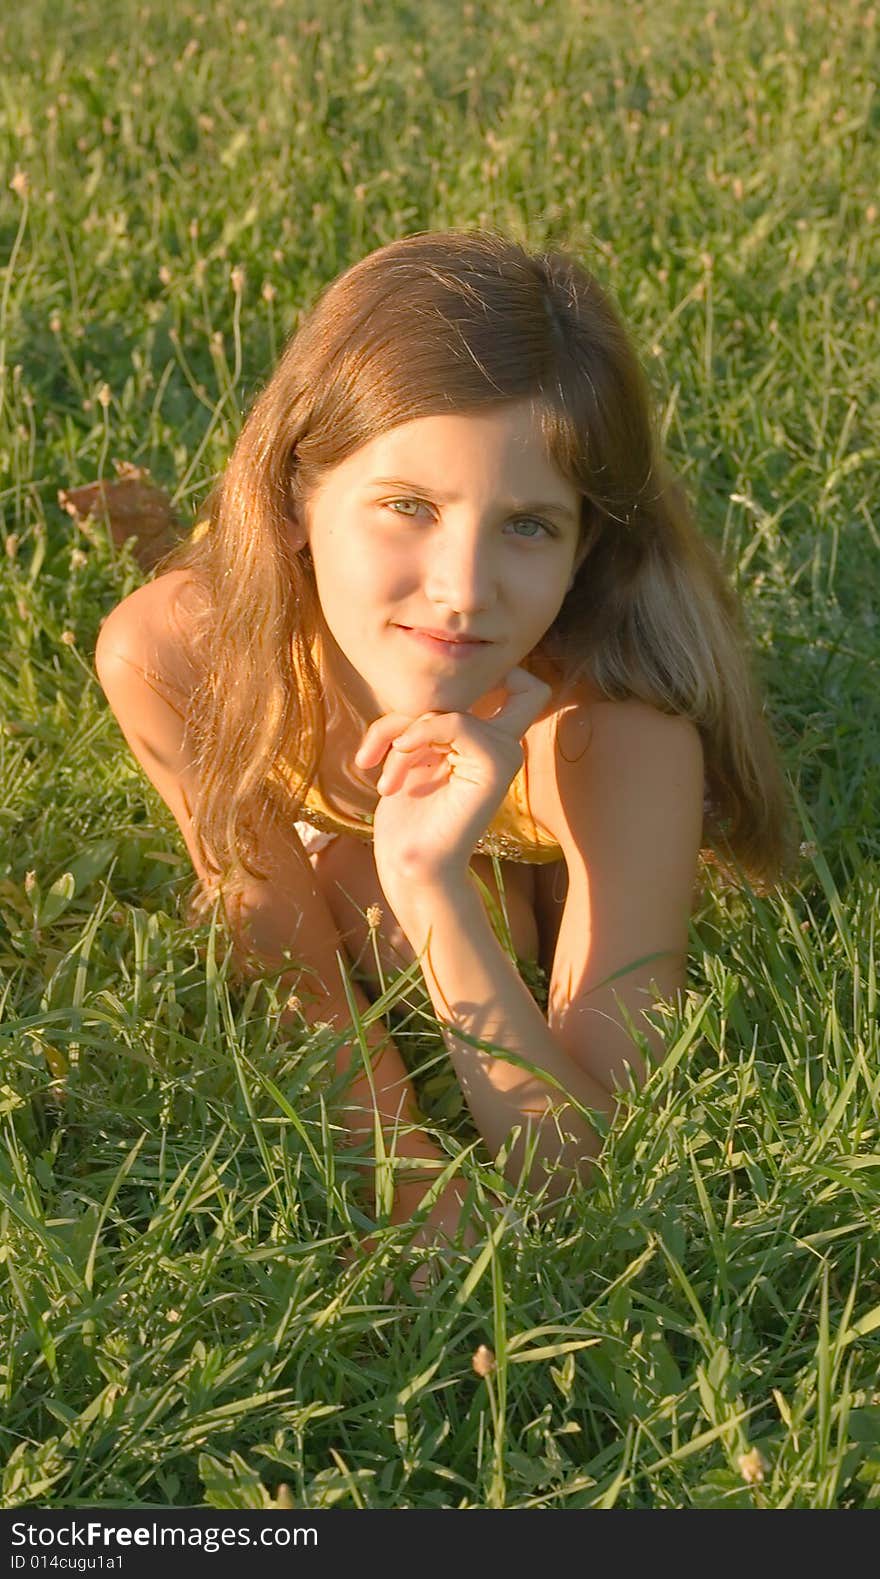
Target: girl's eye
532, 520
392, 503
527, 520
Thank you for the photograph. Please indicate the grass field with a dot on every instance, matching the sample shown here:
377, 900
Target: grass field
702, 1328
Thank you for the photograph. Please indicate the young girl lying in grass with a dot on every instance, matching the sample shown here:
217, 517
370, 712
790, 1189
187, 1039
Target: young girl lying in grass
448, 603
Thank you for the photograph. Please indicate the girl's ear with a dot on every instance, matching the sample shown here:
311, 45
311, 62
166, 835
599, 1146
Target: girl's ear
588, 538
296, 530
579, 558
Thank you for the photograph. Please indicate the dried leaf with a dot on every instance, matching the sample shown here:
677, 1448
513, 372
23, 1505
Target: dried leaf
132, 506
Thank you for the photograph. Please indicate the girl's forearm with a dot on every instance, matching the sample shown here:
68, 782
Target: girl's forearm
314, 994
477, 989
395, 1099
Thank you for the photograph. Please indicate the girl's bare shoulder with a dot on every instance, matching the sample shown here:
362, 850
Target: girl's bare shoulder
576, 719
154, 629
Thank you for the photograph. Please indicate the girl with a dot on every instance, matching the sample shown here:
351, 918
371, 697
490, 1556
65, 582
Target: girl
448, 604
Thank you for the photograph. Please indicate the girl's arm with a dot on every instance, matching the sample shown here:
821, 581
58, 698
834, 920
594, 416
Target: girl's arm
279, 919
630, 795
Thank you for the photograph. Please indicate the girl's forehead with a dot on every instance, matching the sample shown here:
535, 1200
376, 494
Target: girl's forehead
452, 444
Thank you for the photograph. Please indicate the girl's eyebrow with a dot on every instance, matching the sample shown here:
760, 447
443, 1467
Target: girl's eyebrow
549, 506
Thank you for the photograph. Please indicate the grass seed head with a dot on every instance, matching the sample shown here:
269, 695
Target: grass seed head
483, 1360
752, 1466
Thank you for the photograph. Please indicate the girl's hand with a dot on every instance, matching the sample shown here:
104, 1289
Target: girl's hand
444, 1227
443, 779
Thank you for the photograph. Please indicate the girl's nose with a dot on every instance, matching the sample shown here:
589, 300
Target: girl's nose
460, 573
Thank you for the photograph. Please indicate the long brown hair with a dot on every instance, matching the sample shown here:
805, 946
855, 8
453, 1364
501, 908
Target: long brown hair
460, 321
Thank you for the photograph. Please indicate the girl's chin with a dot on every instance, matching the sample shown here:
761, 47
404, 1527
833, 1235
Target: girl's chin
449, 694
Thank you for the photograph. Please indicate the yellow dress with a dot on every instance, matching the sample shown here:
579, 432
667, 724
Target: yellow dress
512, 835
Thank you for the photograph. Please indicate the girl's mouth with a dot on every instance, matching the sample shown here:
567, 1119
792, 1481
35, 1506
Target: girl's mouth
456, 650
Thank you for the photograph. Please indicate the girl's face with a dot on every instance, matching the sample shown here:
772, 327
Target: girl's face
454, 523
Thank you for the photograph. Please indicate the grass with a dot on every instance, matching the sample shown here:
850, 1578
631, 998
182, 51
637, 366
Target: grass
700, 1328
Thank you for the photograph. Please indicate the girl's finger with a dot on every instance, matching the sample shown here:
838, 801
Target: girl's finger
526, 696
433, 729
397, 765
378, 738
383, 733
